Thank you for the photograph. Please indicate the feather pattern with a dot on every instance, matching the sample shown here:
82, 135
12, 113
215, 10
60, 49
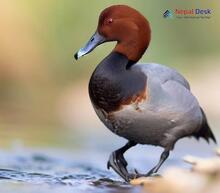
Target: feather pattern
168, 113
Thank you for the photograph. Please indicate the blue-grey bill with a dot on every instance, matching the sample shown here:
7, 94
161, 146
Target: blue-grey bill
94, 41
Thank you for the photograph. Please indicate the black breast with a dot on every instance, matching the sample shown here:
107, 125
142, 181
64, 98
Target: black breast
112, 83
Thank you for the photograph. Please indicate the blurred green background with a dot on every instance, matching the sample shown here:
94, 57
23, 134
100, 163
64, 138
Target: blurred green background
43, 91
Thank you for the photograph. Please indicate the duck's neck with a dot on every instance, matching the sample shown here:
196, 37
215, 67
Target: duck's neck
134, 45
114, 64
131, 50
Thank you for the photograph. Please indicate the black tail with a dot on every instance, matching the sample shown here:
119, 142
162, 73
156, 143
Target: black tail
205, 131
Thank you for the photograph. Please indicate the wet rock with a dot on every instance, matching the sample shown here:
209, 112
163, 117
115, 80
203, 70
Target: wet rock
210, 166
203, 177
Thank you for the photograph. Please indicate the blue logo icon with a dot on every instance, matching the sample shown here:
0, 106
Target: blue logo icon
167, 14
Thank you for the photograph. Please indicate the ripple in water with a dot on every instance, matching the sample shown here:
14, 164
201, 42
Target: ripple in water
31, 171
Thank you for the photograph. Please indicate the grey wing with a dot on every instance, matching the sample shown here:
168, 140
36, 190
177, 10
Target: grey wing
170, 93
194, 116
163, 73
170, 98
180, 98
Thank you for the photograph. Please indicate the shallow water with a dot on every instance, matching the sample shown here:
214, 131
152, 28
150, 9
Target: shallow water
63, 171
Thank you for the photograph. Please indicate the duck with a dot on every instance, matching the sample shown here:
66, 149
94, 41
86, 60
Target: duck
148, 104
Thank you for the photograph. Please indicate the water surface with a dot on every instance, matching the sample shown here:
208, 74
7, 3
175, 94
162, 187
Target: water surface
62, 171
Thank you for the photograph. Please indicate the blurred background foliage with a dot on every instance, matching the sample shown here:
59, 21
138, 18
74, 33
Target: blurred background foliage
43, 97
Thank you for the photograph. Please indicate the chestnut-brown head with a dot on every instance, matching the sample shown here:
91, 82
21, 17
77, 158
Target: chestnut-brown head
125, 25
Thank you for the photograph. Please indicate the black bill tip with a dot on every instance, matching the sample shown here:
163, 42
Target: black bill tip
76, 56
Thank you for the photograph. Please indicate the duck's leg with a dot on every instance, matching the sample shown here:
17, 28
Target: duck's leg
163, 157
118, 163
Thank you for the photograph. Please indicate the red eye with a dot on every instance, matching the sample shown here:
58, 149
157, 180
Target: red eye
110, 20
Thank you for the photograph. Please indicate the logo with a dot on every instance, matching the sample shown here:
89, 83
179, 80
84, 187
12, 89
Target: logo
194, 13
167, 14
